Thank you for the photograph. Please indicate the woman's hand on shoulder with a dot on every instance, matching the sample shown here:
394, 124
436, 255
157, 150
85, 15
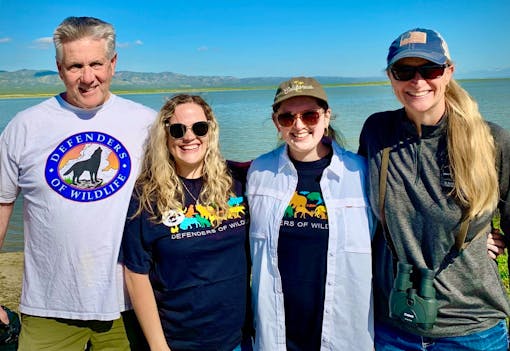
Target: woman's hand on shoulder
495, 244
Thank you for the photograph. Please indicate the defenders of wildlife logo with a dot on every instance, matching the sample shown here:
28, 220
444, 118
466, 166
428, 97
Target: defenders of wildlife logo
88, 166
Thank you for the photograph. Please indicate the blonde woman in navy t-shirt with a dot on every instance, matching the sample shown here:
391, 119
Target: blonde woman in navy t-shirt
185, 239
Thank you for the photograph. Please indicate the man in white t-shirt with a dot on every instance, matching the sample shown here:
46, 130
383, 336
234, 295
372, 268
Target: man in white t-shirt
75, 158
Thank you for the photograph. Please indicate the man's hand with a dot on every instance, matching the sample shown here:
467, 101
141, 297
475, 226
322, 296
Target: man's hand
495, 244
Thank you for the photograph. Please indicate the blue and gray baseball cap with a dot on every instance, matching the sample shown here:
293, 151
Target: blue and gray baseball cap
419, 42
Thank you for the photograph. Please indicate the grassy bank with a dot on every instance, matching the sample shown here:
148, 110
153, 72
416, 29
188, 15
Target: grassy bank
123, 91
20, 95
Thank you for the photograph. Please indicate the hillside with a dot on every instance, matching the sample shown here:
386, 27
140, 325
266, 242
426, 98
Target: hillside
48, 82
38, 81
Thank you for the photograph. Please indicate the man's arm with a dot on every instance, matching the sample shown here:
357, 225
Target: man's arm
5, 215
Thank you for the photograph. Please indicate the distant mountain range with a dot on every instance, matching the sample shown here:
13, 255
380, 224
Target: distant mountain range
46, 81
34, 81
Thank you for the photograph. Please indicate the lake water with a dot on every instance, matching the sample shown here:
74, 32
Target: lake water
247, 130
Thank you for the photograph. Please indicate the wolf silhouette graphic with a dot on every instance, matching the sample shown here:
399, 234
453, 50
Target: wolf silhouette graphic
91, 165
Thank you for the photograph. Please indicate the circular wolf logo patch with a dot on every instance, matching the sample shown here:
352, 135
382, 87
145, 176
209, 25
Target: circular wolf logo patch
88, 166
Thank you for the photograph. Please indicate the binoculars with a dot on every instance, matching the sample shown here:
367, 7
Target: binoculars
414, 304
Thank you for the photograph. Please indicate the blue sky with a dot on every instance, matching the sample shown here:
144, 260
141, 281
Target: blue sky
261, 38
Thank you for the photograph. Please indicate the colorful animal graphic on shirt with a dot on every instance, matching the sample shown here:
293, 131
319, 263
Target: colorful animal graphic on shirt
198, 216
305, 204
207, 212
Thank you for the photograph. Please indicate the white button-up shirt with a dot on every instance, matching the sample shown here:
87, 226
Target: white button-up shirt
348, 313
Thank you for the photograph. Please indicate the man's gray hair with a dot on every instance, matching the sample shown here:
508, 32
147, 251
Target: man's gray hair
75, 28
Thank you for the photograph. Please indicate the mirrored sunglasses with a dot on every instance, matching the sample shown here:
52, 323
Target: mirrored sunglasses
178, 130
310, 118
428, 71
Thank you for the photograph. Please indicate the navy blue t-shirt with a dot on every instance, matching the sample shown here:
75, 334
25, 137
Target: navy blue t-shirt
302, 254
198, 270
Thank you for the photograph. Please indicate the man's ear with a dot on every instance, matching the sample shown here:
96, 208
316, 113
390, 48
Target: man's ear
113, 62
59, 67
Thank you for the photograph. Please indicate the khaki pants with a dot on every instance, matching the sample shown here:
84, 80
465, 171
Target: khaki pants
57, 334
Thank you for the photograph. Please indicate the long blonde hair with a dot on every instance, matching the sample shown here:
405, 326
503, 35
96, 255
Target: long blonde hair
158, 186
471, 153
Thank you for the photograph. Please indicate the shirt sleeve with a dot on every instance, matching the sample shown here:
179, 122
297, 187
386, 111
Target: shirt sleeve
135, 254
504, 203
502, 141
362, 148
9, 166
239, 170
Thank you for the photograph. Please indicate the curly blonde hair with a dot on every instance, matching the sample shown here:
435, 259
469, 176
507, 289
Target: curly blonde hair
471, 153
158, 186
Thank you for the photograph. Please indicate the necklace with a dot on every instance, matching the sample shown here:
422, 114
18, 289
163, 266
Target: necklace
189, 192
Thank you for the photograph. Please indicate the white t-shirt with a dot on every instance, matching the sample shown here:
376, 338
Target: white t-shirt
76, 169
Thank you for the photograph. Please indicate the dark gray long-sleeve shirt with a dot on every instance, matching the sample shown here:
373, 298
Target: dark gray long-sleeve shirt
423, 221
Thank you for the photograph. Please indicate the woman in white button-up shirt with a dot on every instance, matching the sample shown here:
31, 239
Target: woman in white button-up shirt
310, 232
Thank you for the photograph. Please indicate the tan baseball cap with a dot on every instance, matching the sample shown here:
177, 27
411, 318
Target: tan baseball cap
299, 86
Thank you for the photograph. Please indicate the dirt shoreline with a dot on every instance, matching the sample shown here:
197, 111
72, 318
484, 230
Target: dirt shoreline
11, 271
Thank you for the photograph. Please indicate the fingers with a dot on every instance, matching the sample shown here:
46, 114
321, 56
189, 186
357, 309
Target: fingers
3, 316
496, 239
491, 255
495, 244
494, 251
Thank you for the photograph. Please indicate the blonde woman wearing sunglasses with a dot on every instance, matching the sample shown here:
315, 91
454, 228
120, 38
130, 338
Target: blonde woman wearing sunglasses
447, 172
185, 239
310, 226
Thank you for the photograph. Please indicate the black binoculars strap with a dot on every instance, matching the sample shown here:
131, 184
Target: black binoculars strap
460, 238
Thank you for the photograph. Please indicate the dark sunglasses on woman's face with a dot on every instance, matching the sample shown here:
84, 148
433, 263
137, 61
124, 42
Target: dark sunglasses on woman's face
310, 118
428, 71
178, 130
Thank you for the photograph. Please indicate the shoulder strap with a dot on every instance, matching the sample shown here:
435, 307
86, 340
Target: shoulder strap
460, 239
383, 176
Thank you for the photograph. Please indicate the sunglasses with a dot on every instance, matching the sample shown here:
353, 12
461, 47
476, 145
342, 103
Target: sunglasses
178, 130
310, 118
428, 71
